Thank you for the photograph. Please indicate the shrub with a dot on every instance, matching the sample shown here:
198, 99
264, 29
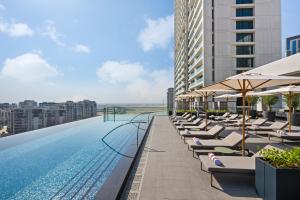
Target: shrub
282, 159
269, 101
216, 111
295, 101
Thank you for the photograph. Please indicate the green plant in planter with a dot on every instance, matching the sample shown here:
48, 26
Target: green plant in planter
282, 159
254, 101
269, 101
216, 111
294, 103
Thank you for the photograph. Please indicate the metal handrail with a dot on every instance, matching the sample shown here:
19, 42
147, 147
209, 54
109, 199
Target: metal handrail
131, 122
113, 149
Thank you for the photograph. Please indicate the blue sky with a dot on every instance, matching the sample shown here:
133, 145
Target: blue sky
104, 50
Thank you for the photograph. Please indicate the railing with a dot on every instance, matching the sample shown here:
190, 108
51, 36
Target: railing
115, 113
137, 124
137, 137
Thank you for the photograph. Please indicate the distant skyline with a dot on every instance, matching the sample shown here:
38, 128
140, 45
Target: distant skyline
108, 51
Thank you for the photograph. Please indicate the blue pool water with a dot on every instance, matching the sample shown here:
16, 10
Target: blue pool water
64, 162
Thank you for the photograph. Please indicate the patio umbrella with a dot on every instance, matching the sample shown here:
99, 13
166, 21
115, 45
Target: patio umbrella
246, 82
205, 93
288, 90
187, 96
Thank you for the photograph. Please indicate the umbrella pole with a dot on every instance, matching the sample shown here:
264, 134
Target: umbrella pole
290, 112
243, 125
249, 107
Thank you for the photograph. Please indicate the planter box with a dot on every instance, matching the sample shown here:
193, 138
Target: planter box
295, 118
270, 116
276, 184
253, 114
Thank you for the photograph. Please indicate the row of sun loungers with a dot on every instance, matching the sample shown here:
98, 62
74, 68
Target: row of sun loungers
197, 139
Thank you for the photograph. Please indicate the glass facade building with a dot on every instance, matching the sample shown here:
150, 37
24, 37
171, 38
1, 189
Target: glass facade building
292, 45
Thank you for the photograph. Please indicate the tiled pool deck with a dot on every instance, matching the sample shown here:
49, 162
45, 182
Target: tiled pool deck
167, 170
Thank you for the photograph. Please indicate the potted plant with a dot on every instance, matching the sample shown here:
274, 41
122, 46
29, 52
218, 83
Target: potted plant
295, 102
277, 174
253, 100
268, 102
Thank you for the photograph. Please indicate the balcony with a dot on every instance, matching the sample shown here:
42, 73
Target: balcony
197, 62
244, 56
197, 72
196, 83
243, 43
196, 53
250, 5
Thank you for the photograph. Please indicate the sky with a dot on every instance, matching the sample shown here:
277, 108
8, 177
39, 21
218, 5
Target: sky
110, 51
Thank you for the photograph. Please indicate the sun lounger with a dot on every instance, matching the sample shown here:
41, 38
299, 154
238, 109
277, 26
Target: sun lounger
190, 119
210, 134
231, 119
231, 164
223, 117
201, 126
285, 135
257, 122
275, 126
187, 116
196, 122
175, 117
231, 141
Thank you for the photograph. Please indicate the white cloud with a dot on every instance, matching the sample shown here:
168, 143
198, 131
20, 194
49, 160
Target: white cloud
50, 31
133, 82
28, 67
16, 29
2, 7
114, 71
80, 48
157, 34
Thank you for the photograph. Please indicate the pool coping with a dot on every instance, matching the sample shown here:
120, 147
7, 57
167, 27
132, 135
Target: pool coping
116, 183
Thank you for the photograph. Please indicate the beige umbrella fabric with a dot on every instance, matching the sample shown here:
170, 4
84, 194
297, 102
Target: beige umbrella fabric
246, 82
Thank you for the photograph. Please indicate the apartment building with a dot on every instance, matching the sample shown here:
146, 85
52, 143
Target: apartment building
292, 45
31, 116
170, 99
215, 39
27, 119
28, 104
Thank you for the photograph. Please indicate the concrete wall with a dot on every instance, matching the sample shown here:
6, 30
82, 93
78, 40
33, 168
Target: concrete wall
268, 31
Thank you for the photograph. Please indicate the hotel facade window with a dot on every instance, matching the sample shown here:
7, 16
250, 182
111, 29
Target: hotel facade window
244, 1
244, 63
244, 12
244, 37
244, 25
244, 50
292, 45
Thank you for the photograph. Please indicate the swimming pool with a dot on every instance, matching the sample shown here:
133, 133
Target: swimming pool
69, 161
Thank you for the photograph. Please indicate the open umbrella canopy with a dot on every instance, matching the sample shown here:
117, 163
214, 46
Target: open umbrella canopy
210, 92
282, 90
252, 81
226, 96
188, 95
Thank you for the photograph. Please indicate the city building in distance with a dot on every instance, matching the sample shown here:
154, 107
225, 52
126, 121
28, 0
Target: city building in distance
292, 45
30, 115
217, 39
170, 100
